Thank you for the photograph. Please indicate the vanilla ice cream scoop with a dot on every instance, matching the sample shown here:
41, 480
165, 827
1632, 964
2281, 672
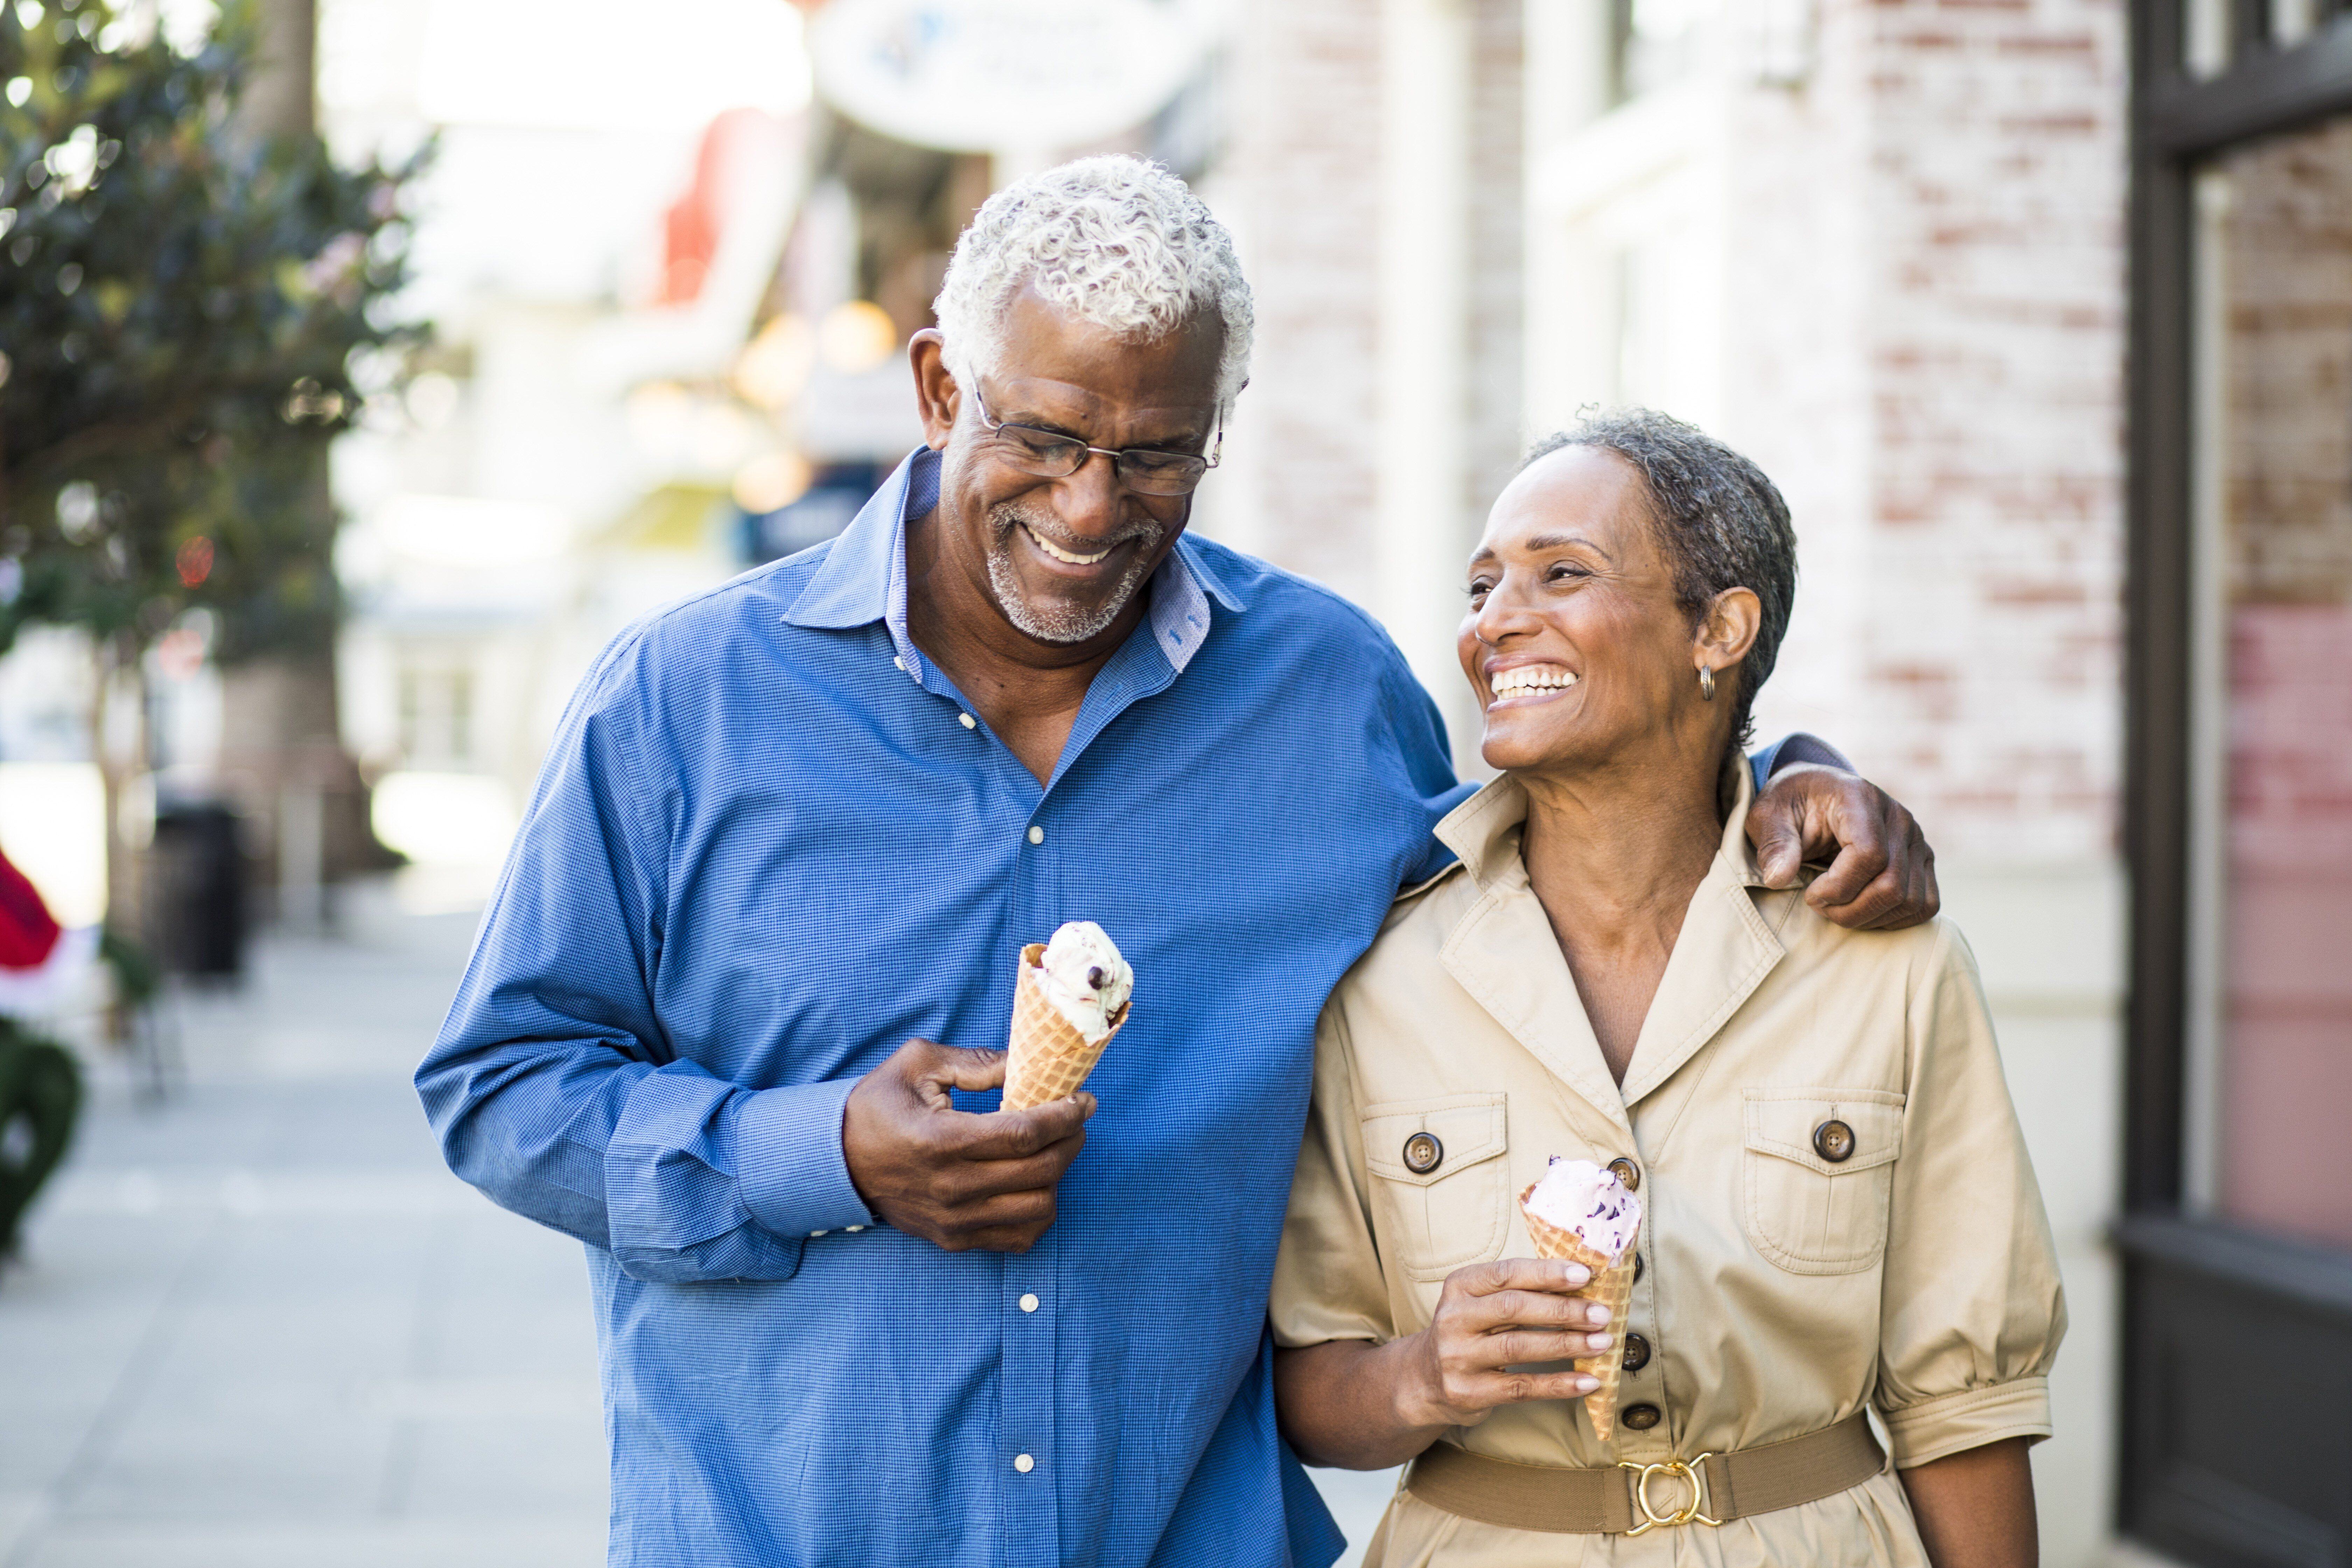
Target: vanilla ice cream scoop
1085, 978
1580, 1196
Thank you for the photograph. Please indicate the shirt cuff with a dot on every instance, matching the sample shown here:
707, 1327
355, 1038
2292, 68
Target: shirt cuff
1797, 747
788, 1160
1955, 1423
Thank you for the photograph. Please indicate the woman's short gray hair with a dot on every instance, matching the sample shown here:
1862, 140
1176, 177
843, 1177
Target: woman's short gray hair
1115, 241
1720, 522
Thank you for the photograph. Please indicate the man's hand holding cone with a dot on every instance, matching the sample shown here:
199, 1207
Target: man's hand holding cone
965, 1181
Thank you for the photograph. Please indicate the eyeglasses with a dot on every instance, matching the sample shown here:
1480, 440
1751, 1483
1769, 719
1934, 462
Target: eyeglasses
1144, 470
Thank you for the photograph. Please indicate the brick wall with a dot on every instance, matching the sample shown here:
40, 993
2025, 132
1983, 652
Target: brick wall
1942, 397
1924, 346
1299, 180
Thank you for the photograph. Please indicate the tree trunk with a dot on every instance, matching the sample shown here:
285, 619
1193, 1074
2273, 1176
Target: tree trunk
281, 98
282, 757
119, 740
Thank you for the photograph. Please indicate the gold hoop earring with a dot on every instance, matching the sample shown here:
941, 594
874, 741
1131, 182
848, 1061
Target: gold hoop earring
1706, 684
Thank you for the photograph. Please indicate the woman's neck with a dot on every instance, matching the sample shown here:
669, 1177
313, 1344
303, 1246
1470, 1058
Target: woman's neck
1613, 854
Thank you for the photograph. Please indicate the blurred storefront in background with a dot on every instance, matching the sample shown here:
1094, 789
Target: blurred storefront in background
2039, 311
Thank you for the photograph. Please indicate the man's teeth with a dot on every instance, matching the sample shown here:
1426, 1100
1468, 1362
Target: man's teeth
1058, 553
1520, 682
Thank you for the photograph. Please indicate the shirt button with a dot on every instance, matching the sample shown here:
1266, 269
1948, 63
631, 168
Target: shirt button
814, 1234
1424, 1153
965, 719
1627, 1172
1637, 1353
1029, 1303
1642, 1418
1637, 1268
899, 662
853, 1229
1024, 1464
1833, 1141
1036, 836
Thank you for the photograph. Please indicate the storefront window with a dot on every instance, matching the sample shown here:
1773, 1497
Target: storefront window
1654, 43
2271, 967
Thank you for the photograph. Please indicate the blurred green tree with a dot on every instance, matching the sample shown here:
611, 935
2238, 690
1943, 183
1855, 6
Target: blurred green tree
187, 312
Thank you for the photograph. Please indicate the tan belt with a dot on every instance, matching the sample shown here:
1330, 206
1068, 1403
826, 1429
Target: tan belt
1630, 1499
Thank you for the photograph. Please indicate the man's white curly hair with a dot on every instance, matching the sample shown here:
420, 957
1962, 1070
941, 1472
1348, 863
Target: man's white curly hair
1115, 241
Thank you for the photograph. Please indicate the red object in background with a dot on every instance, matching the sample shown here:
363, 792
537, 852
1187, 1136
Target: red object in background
693, 223
195, 560
28, 932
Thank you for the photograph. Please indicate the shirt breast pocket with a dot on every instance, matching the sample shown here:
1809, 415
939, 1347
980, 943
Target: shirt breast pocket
1818, 1170
1441, 1188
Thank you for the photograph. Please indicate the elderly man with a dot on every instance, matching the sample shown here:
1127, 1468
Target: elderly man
789, 840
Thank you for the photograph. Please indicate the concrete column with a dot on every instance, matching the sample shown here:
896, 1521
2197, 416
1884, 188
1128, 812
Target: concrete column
1421, 532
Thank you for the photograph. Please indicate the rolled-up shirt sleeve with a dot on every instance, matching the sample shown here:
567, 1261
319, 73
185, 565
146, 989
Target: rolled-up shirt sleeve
1972, 1311
554, 1088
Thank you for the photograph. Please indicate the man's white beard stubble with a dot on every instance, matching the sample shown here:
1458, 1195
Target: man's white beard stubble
1059, 623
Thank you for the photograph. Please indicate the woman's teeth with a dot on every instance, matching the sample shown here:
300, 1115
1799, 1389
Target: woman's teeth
1527, 679
1058, 553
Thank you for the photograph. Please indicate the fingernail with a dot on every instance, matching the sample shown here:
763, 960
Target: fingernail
1589, 1384
1597, 1342
1600, 1315
1577, 1274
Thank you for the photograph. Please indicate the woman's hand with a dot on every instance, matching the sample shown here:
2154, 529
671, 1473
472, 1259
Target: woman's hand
1884, 874
1359, 1407
1491, 1317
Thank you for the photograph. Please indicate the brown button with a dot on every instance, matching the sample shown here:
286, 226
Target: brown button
1637, 1267
1627, 1172
1833, 1141
1639, 1417
1423, 1154
1637, 1353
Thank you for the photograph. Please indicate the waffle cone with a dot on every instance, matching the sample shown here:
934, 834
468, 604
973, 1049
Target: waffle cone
1047, 1058
1613, 1286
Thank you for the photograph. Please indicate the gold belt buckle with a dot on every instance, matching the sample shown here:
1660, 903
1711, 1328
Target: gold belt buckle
1691, 1473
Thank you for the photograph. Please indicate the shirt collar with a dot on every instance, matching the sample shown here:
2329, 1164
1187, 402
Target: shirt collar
1484, 831
864, 577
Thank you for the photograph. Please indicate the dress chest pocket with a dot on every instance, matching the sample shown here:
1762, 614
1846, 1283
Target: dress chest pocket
1440, 1187
1816, 1173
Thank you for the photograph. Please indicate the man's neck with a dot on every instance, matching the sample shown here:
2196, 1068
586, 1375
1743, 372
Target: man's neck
1028, 692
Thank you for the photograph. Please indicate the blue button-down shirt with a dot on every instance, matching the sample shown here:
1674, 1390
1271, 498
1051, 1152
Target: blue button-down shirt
770, 844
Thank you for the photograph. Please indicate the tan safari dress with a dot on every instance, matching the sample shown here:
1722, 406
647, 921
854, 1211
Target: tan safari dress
1781, 1292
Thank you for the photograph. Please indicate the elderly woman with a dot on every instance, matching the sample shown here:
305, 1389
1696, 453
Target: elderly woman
1840, 1214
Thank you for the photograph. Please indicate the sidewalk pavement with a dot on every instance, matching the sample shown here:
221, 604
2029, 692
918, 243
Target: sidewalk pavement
260, 1324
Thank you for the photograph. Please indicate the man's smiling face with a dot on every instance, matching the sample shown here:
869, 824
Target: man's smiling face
1062, 559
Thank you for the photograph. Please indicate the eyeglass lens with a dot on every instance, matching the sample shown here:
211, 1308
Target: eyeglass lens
1049, 455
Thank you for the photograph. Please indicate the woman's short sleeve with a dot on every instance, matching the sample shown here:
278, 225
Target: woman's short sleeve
1972, 1311
1328, 1281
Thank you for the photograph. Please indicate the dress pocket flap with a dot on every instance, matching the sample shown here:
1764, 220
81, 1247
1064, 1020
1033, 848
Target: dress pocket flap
1790, 1123
1468, 1130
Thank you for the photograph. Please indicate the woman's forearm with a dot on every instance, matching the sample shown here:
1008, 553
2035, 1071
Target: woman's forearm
1975, 1508
1338, 1404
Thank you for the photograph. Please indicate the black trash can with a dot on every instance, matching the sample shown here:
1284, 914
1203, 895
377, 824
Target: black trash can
199, 891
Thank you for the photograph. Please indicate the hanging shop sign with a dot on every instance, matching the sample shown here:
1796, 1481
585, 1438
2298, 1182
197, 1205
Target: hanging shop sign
982, 75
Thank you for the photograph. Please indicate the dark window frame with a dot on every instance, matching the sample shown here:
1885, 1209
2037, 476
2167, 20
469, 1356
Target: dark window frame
2278, 1488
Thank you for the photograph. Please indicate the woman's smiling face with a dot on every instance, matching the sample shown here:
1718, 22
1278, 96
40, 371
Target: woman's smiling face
1574, 642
